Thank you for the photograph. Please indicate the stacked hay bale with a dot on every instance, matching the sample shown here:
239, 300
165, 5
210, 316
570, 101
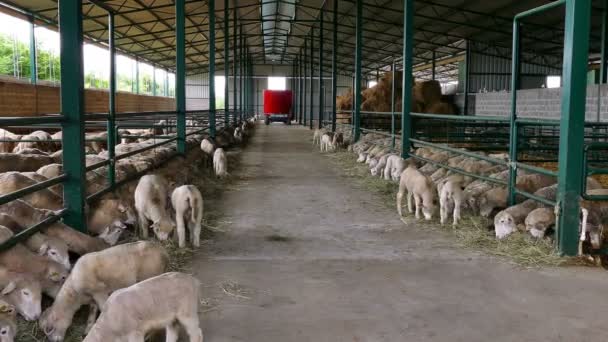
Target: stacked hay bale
428, 98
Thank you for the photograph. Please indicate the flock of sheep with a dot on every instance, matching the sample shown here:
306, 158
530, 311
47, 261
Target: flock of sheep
115, 280
430, 188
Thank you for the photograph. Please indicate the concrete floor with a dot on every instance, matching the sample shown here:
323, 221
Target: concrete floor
350, 270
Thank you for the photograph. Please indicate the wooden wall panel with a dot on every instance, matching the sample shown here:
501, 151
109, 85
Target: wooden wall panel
24, 99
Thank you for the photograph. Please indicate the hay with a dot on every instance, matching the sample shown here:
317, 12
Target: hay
471, 233
427, 92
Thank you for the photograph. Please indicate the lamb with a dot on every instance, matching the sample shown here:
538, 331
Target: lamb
27, 216
316, 137
473, 191
238, 135
362, 157
220, 163
130, 314
378, 169
208, 146
539, 221
8, 321
43, 198
11, 139
108, 218
49, 247
19, 259
187, 200
394, 167
327, 142
96, 275
150, 203
451, 193
506, 221
23, 291
421, 188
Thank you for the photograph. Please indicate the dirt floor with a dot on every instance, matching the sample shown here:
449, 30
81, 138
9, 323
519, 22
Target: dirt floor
306, 256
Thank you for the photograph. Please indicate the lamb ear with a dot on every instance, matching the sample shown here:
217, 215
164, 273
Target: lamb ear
43, 249
10, 287
122, 208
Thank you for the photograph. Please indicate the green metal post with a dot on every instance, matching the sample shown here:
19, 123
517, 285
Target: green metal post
305, 83
301, 87
33, 59
572, 127
226, 62
604, 52
136, 75
235, 67
212, 108
180, 74
393, 67
72, 109
358, 61
408, 57
312, 72
334, 67
321, 90
112, 104
513, 130
241, 75
467, 77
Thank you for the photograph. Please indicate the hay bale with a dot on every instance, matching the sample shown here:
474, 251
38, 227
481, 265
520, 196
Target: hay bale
440, 108
427, 92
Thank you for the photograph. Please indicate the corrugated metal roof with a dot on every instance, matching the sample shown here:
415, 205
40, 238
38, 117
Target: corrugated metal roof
275, 30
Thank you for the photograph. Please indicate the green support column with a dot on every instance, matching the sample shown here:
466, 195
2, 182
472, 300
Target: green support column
136, 75
358, 60
112, 104
513, 129
572, 127
180, 74
604, 51
226, 62
321, 91
235, 68
408, 57
467, 77
305, 83
33, 59
312, 72
393, 121
211, 5
72, 109
334, 68
301, 88
241, 75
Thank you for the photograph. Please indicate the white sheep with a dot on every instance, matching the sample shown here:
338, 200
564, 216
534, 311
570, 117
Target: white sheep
327, 142
539, 221
19, 259
96, 275
394, 167
451, 196
220, 163
47, 246
419, 187
130, 314
316, 137
23, 291
151, 202
378, 169
188, 201
8, 321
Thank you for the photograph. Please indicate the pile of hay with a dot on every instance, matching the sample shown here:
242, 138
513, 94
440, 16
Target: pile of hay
427, 97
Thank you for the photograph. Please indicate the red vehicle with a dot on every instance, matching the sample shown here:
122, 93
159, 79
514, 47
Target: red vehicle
277, 106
